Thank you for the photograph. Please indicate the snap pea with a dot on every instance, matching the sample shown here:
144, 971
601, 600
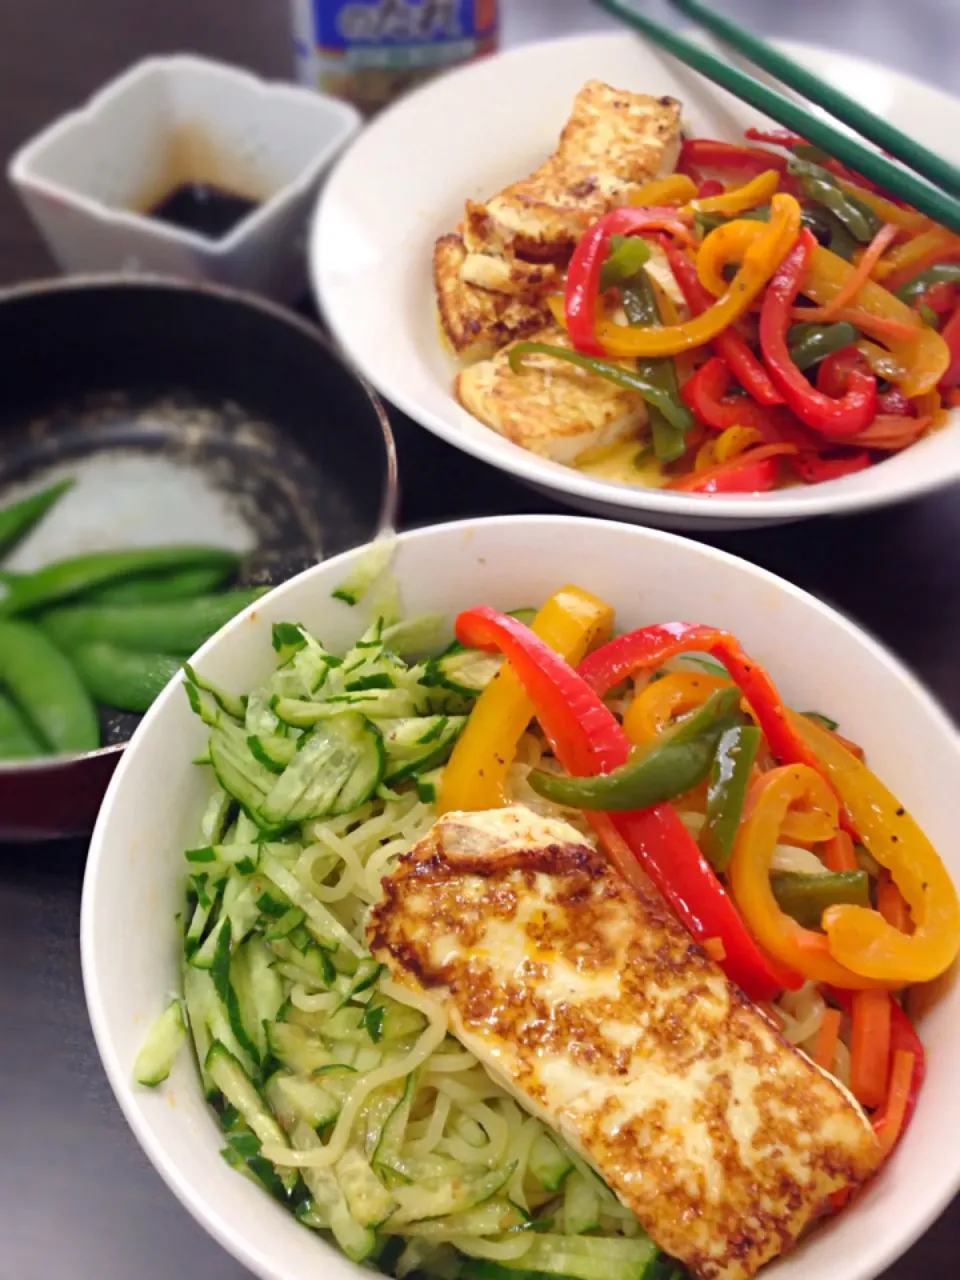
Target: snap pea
810, 343
626, 258
64, 579
666, 433
17, 739
821, 187
806, 897
939, 273
176, 626
156, 587
47, 689
17, 519
122, 678
676, 761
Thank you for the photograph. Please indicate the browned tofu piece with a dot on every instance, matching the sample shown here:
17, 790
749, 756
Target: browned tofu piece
613, 142
478, 321
591, 1004
550, 407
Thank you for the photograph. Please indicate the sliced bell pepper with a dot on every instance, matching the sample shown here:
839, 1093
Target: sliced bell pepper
861, 939
674, 763
917, 286
925, 250
758, 190
892, 432
677, 188
820, 186
810, 343
759, 263
806, 897
475, 776
732, 348
626, 257
870, 1045
586, 738
728, 157
843, 417
861, 273
771, 798
756, 471
951, 338
711, 187
707, 394
667, 434
582, 289
727, 793
818, 468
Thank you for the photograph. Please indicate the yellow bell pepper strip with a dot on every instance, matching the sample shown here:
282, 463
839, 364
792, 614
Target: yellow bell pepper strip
675, 189
923, 358
861, 939
661, 701
760, 261
771, 798
936, 245
570, 622
757, 191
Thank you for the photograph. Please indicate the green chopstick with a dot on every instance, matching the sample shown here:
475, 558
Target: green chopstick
840, 105
936, 204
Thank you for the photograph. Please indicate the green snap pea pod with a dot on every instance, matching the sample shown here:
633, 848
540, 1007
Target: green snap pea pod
47, 689
806, 897
122, 678
821, 187
156, 587
917, 286
829, 230
677, 760
667, 433
17, 739
928, 316
64, 579
177, 626
810, 343
653, 394
627, 256
18, 518
727, 792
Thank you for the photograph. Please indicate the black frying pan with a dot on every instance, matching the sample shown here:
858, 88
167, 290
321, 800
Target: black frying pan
188, 413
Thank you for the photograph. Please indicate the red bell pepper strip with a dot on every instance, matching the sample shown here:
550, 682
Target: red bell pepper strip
815, 468
897, 279
893, 401
784, 138
775, 137
756, 471
706, 394
582, 289
708, 153
843, 417
951, 336
834, 370
712, 187
903, 1038
730, 345
941, 298
586, 739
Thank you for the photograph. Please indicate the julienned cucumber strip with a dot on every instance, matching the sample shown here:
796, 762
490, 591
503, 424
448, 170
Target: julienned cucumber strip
367, 569
161, 1046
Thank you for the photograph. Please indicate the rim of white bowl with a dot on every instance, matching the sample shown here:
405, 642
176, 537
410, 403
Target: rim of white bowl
869, 1267
798, 503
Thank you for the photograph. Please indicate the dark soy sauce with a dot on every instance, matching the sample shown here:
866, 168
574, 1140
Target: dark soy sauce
204, 208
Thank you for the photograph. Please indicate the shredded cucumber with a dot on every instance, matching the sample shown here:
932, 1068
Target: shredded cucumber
161, 1046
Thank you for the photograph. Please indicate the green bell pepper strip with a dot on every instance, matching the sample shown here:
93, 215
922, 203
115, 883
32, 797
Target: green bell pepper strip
18, 518
674, 411
823, 188
810, 343
727, 792
627, 257
666, 434
917, 286
63, 579
675, 762
806, 897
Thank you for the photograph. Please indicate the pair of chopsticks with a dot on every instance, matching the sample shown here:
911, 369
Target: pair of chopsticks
936, 197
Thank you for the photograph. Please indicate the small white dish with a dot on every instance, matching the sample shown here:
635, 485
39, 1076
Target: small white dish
134, 882
474, 130
84, 178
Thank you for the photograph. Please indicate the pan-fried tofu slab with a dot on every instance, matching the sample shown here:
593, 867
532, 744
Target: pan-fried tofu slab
550, 407
613, 142
478, 321
590, 1002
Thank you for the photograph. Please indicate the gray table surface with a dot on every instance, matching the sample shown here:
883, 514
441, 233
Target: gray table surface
78, 1199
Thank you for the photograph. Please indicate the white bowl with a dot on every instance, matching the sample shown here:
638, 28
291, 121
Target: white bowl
466, 135
83, 176
133, 885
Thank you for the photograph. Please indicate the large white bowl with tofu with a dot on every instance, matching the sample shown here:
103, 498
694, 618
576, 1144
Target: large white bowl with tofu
731, 1202
405, 211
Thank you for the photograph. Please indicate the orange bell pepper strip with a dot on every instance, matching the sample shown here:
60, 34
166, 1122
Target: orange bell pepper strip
570, 622
760, 261
757, 191
677, 188
663, 700
860, 938
770, 800
934, 245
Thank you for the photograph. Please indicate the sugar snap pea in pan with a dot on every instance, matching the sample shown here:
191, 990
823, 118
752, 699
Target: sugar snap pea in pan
47, 689
18, 518
153, 588
18, 741
121, 678
176, 626
65, 579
